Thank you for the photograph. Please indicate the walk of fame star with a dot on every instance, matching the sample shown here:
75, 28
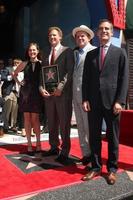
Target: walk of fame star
50, 75
38, 162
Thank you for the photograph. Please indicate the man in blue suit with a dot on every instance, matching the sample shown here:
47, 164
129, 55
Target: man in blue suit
104, 86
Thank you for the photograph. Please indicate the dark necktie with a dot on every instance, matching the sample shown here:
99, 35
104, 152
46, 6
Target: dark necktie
52, 57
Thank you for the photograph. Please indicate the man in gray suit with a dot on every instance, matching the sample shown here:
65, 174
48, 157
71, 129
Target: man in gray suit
105, 85
83, 36
58, 103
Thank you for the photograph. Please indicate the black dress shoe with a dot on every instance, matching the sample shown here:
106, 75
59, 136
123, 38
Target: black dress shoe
62, 159
30, 153
85, 160
51, 152
45, 129
5, 130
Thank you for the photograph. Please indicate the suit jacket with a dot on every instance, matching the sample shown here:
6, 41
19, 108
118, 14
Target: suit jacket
65, 61
111, 83
7, 85
78, 73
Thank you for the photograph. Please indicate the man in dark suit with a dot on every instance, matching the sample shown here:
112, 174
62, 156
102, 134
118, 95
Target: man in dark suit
58, 102
6, 90
104, 86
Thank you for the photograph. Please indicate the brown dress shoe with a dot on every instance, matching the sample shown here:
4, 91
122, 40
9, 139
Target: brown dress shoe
1, 132
111, 178
90, 175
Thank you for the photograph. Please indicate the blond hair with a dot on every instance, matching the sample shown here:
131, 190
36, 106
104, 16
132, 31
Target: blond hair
57, 29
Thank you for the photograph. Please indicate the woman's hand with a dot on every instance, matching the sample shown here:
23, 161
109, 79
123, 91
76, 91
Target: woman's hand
44, 92
86, 106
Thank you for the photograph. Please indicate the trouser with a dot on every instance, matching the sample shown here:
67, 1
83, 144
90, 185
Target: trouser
11, 109
2, 113
83, 128
59, 112
95, 117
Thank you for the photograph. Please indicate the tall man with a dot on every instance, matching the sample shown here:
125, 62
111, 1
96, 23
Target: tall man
105, 84
83, 36
59, 102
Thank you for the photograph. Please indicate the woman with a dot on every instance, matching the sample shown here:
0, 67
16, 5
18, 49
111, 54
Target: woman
30, 98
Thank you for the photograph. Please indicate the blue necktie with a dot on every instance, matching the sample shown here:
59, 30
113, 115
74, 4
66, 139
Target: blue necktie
79, 52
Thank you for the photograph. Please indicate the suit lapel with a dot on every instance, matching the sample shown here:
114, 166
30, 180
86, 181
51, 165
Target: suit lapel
59, 52
97, 58
82, 58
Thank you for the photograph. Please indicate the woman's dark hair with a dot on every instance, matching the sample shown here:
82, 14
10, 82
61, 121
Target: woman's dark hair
39, 56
